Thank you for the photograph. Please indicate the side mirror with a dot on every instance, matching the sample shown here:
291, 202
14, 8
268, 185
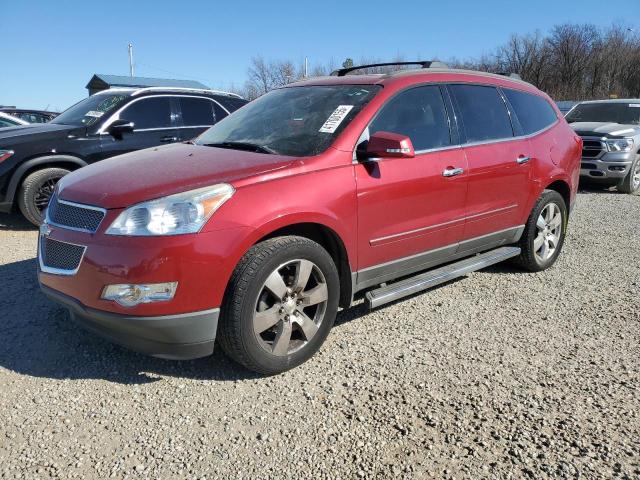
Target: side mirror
120, 127
389, 145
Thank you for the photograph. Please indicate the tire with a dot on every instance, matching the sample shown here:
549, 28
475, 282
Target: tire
35, 192
631, 183
534, 257
250, 305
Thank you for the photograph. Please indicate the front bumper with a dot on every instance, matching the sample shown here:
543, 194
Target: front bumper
178, 337
610, 166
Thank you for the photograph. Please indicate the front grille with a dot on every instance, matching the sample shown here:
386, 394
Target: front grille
592, 148
72, 215
60, 255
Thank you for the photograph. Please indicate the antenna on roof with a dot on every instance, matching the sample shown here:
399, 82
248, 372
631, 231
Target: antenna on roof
423, 64
131, 73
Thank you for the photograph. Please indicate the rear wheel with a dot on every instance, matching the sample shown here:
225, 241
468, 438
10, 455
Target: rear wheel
280, 305
544, 232
35, 192
631, 183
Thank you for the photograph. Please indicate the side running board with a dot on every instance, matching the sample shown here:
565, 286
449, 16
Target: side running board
431, 278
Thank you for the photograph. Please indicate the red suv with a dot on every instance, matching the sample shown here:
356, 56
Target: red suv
256, 232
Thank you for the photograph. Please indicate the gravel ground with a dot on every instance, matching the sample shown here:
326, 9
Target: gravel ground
501, 374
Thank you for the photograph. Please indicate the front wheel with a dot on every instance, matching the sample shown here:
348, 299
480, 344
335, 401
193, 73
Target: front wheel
544, 232
35, 192
281, 303
631, 183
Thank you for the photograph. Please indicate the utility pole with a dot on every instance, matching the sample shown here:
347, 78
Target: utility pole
131, 73
306, 67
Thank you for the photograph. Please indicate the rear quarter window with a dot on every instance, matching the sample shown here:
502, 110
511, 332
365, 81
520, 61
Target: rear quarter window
534, 113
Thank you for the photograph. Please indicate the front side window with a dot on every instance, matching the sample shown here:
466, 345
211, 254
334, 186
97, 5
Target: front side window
534, 112
197, 112
90, 110
418, 113
293, 121
146, 113
484, 113
614, 112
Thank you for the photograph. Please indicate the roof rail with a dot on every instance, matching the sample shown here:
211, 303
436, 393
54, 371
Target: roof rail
423, 63
183, 89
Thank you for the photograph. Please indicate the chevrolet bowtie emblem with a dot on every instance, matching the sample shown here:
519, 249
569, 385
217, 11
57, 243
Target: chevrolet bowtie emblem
45, 230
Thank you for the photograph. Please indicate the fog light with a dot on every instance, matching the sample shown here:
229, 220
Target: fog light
129, 295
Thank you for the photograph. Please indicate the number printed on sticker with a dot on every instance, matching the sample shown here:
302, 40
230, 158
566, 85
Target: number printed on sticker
335, 119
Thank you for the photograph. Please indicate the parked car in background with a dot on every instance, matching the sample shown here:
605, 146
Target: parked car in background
610, 130
30, 116
255, 232
566, 105
7, 120
34, 157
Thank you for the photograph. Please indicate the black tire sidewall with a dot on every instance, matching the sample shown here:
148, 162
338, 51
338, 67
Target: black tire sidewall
29, 189
302, 249
626, 185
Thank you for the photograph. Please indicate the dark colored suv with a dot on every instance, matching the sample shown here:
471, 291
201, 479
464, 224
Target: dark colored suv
255, 233
34, 157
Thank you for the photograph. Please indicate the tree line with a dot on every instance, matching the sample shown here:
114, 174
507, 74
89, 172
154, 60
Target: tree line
571, 62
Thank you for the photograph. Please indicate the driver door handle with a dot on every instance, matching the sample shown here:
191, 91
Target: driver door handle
522, 159
169, 139
452, 172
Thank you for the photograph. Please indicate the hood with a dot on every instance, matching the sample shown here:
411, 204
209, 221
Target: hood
139, 176
610, 130
10, 136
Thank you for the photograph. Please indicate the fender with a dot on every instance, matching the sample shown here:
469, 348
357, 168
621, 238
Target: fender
14, 183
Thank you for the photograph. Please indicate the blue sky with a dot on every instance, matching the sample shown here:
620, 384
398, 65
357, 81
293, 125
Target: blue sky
50, 49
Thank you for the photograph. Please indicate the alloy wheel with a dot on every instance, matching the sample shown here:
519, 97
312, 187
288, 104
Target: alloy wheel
635, 176
549, 232
44, 193
291, 306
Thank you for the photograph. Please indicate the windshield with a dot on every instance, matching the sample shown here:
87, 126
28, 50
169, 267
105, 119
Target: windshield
625, 113
295, 121
88, 111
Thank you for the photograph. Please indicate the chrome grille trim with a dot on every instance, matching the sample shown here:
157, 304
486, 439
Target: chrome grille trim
55, 200
593, 148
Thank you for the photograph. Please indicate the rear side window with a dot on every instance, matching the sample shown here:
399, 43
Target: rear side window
484, 114
418, 113
149, 113
534, 112
231, 103
197, 111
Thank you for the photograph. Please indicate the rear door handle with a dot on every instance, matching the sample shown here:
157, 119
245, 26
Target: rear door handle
522, 159
452, 172
169, 139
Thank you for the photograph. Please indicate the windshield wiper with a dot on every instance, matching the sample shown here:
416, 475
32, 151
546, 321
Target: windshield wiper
250, 147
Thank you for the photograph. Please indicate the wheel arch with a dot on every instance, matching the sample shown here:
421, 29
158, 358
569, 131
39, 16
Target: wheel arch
330, 240
38, 163
563, 188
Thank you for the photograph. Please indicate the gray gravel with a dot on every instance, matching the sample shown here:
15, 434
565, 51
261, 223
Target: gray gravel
501, 374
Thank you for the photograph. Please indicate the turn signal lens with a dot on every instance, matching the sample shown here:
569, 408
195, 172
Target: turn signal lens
130, 295
4, 154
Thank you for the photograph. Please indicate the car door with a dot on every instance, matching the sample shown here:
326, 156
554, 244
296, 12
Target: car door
498, 162
410, 215
196, 114
153, 118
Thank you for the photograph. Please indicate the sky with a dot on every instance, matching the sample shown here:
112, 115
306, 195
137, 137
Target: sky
50, 49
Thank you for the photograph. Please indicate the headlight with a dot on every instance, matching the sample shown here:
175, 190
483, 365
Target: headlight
176, 214
621, 145
4, 154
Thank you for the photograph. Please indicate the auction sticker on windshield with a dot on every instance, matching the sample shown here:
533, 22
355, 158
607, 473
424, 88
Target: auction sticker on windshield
93, 113
335, 119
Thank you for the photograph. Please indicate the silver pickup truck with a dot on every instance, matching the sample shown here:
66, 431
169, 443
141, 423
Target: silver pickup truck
610, 130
